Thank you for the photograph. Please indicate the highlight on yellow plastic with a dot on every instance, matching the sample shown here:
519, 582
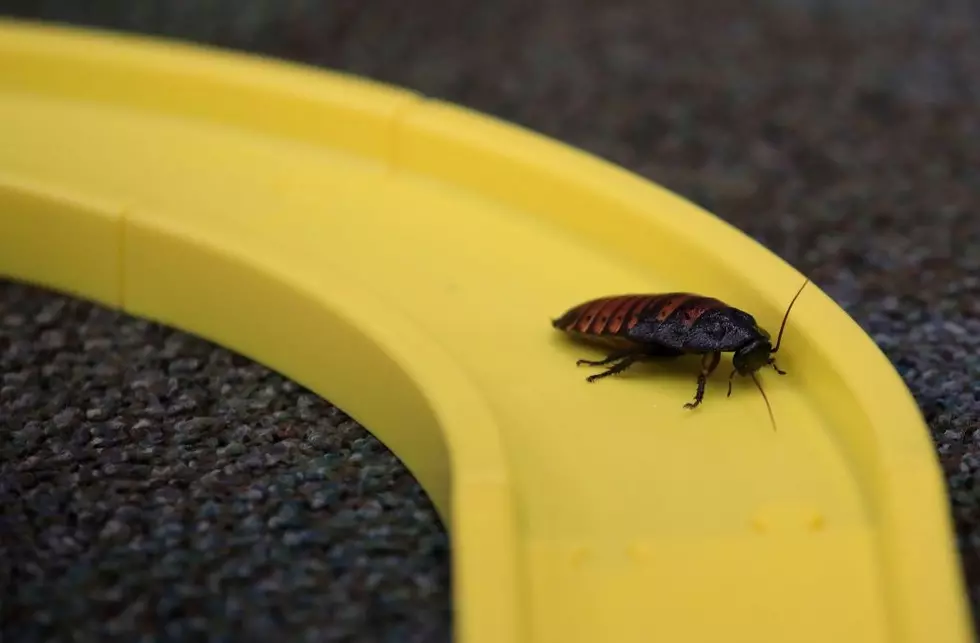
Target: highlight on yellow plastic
403, 258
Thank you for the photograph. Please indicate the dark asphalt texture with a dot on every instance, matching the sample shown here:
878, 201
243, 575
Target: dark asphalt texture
154, 487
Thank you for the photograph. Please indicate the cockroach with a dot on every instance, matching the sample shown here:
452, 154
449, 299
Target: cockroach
668, 325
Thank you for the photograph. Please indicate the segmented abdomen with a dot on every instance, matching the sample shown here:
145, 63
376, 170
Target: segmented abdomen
618, 314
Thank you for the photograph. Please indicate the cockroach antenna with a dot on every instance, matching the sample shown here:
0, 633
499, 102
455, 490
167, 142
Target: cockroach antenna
772, 418
782, 326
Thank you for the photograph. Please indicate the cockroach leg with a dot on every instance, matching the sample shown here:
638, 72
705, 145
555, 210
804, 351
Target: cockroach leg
623, 364
709, 362
612, 357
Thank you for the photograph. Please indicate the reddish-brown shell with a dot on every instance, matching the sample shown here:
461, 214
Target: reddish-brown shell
614, 316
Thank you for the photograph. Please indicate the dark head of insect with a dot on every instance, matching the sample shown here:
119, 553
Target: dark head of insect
667, 325
759, 351
754, 355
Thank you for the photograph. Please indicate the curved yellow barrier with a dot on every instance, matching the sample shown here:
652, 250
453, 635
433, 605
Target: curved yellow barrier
404, 257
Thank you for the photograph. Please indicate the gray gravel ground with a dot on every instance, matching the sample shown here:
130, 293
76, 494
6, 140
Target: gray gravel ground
154, 484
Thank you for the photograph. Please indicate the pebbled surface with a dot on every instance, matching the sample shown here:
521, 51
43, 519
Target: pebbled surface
152, 484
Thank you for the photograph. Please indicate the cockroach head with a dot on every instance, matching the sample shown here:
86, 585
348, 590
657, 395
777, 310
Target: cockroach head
752, 356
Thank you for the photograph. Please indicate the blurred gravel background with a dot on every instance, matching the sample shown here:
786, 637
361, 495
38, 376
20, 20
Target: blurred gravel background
155, 487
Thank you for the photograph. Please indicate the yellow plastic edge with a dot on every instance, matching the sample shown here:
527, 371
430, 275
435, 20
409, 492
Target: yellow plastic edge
127, 258
902, 476
277, 98
304, 324
323, 331
81, 250
903, 479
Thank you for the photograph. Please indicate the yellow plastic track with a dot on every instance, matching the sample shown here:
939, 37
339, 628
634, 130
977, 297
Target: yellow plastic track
404, 257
